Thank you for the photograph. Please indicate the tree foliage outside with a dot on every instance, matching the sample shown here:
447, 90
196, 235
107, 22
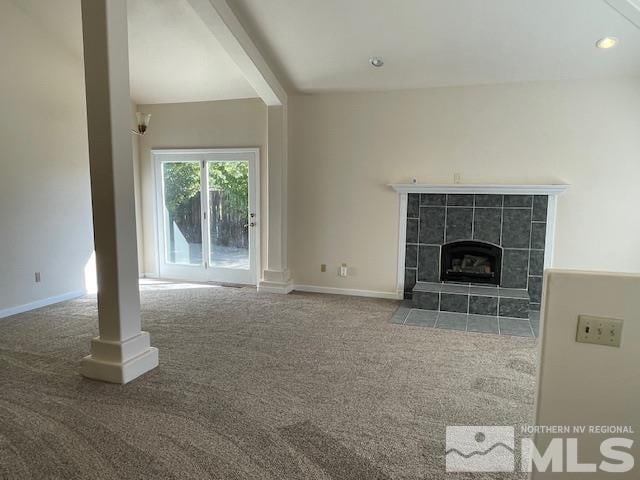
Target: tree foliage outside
229, 200
228, 194
182, 199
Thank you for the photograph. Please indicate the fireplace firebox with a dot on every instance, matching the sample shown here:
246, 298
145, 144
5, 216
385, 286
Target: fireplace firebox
471, 262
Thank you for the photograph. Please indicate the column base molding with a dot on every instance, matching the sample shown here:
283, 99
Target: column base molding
274, 281
119, 362
275, 287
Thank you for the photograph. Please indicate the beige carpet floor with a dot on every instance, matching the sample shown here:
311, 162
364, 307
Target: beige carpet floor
253, 386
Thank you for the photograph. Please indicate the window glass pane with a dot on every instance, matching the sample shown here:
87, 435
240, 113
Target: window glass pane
229, 214
182, 208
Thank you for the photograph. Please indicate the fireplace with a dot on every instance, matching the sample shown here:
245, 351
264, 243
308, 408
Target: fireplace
471, 261
516, 223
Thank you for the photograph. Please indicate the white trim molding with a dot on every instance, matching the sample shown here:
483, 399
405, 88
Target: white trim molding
551, 190
490, 189
45, 302
346, 291
550, 237
283, 288
276, 281
402, 241
119, 361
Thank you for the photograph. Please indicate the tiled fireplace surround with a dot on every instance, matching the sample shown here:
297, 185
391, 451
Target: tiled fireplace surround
517, 223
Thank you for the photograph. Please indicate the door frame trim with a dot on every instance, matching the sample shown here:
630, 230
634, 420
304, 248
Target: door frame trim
156, 157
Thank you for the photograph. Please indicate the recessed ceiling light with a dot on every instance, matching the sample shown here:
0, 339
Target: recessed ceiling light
607, 42
376, 62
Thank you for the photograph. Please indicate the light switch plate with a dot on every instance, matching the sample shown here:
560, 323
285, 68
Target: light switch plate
599, 330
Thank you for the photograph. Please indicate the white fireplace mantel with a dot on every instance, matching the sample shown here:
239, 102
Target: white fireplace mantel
551, 190
487, 189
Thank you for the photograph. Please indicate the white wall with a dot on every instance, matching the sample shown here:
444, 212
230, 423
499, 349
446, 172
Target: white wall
221, 124
582, 384
345, 148
45, 205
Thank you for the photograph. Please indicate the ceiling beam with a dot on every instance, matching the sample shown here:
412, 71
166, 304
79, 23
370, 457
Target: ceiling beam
225, 26
629, 9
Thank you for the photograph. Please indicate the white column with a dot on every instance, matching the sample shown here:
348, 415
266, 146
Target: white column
276, 277
122, 352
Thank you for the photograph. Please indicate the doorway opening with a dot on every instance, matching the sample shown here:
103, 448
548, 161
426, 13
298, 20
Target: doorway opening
207, 214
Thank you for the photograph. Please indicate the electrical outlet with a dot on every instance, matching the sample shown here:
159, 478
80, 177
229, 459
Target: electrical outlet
599, 330
37, 277
343, 270
457, 178
323, 267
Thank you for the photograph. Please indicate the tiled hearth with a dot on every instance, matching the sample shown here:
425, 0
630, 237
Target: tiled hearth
469, 308
520, 327
447, 297
474, 260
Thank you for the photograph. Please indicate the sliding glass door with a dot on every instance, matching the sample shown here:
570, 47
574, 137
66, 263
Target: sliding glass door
182, 212
230, 221
207, 215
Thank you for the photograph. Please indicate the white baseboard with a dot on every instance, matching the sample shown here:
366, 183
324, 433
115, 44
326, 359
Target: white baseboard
265, 287
7, 312
347, 291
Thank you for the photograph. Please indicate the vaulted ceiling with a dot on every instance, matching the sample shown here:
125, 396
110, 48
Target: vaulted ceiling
324, 45
174, 57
